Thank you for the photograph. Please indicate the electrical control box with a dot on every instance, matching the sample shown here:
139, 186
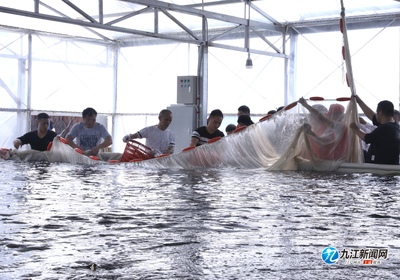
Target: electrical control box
183, 123
186, 89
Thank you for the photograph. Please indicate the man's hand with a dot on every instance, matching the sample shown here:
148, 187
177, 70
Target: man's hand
17, 143
358, 99
357, 131
302, 101
126, 138
353, 126
307, 127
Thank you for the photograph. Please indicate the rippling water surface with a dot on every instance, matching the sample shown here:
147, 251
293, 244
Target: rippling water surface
62, 221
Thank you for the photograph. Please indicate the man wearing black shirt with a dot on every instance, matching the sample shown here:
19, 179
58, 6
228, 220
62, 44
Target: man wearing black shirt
38, 139
385, 139
202, 134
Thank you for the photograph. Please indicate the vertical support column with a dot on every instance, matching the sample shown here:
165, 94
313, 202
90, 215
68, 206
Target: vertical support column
36, 6
29, 82
202, 99
29, 66
291, 69
101, 14
285, 69
115, 51
247, 27
156, 20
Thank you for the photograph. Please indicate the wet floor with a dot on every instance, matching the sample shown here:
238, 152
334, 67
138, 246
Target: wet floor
63, 221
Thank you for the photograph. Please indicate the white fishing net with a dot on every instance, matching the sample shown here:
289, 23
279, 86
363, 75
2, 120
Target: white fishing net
291, 139
324, 140
315, 136
60, 152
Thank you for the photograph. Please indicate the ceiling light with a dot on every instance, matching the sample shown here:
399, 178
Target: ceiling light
249, 62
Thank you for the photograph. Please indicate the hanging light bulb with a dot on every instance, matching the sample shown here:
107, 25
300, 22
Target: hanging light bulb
249, 62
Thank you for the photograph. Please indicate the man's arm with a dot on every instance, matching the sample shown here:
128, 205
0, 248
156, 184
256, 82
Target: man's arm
357, 131
130, 137
170, 150
303, 102
194, 141
72, 134
107, 142
367, 111
24, 139
71, 142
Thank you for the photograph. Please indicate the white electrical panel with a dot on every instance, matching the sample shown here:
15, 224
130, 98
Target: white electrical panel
183, 123
186, 89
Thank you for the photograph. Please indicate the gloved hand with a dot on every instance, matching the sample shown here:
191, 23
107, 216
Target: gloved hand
302, 101
126, 138
307, 128
156, 152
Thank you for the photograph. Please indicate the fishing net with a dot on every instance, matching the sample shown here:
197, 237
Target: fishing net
312, 134
60, 151
324, 140
292, 139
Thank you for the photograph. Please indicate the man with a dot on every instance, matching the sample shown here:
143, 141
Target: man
38, 139
202, 134
89, 135
244, 120
385, 139
230, 128
243, 110
158, 137
396, 116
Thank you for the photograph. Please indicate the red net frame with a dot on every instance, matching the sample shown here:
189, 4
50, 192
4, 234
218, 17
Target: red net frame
135, 150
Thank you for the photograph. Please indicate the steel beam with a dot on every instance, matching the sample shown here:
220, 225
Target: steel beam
94, 25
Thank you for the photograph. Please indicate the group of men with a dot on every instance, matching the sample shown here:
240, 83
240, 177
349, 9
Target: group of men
244, 119
91, 136
162, 140
88, 135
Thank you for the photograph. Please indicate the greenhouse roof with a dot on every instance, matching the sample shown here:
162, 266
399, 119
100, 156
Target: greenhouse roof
185, 20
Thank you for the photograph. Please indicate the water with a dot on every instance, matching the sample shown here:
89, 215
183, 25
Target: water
63, 221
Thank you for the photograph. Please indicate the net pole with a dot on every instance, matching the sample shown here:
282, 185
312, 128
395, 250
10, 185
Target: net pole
346, 51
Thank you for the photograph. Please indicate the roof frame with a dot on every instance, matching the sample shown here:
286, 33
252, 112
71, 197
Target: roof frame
95, 23
129, 36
